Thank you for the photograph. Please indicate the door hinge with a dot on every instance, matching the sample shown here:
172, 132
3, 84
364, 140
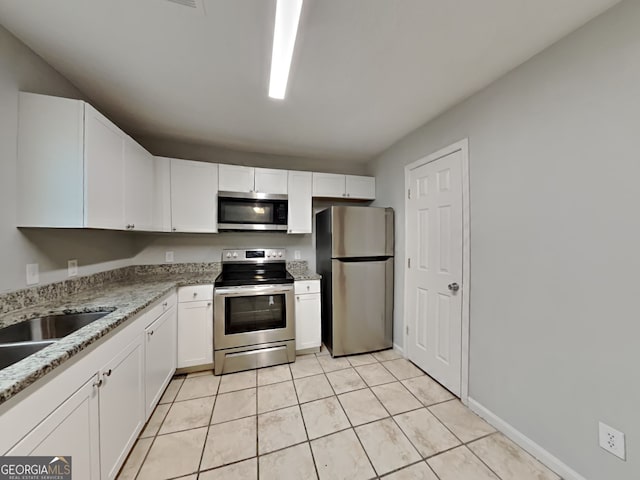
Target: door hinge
409, 193
407, 329
408, 263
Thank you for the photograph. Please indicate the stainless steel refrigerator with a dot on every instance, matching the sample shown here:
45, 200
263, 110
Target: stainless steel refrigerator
354, 255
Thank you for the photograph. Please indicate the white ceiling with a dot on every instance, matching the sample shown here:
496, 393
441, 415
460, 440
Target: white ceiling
365, 72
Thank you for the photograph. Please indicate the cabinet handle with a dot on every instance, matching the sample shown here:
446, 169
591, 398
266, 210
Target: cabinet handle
107, 373
133, 225
195, 294
298, 298
150, 333
308, 287
208, 304
97, 384
165, 304
173, 229
348, 194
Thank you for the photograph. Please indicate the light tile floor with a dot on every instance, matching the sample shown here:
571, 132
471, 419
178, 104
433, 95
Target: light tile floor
361, 417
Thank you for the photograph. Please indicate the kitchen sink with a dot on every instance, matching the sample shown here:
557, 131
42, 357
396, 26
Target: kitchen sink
22, 339
11, 353
51, 327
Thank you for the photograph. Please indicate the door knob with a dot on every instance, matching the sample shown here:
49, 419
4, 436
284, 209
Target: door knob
454, 287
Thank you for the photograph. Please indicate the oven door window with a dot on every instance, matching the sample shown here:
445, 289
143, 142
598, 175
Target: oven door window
255, 313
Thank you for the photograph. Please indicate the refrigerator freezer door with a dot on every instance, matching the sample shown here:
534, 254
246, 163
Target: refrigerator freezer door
362, 232
362, 306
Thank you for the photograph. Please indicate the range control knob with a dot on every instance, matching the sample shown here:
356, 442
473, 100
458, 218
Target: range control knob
235, 254
228, 254
280, 253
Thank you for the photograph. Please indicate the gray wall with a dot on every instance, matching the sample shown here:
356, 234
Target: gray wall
21, 69
555, 230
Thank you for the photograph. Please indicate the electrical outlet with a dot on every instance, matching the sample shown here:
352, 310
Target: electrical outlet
72, 267
33, 273
296, 254
168, 257
612, 440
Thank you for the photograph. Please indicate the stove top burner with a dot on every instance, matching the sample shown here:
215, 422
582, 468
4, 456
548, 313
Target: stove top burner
253, 267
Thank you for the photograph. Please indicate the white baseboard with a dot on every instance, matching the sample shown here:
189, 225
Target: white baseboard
551, 461
398, 349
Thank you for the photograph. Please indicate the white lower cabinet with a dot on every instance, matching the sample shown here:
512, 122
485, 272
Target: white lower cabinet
71, 430
121, 407
308, 333
160, 357
195, 326
95, 407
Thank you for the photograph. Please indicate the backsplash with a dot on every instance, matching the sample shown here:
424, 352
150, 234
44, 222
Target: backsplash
29, 297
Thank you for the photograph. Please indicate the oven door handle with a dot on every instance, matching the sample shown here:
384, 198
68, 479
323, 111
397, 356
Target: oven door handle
247, 291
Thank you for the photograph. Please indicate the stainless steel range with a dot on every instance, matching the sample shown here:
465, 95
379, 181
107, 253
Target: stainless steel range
254, 317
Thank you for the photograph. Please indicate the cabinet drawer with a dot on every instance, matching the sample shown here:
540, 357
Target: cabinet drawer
307, 286
161, 307
195, 293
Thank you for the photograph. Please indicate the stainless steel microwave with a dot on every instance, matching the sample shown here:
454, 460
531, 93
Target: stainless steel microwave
252, 211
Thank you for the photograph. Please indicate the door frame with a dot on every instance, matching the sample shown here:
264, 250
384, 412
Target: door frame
463, 147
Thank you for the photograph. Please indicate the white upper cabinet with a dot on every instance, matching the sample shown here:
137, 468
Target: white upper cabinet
104, 171
194, 196
50, 183
74, 169
162, 195
328, 185
356, 187
300, 214
235, 178
269, 180
139, 187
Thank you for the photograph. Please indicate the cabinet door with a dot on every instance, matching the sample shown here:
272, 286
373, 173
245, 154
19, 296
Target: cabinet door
308, 321
195, 333
50, 167
360, 187
194, 196
235, 178
103, 172
138, 187
328, 185
269, 180
121, 406
300, 213
160, 357
162, 195
72, 430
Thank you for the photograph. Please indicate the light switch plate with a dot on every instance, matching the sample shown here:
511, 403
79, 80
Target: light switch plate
72, 267
168, 257
296, 254
33, 273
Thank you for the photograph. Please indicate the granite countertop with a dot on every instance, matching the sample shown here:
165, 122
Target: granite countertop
299, 270
125, 297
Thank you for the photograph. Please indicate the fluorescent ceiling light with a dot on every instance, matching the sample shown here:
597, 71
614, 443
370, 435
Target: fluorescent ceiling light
284, 39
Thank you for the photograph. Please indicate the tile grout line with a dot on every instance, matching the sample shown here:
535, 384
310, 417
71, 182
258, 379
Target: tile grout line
306, 432
155, 436
353, 428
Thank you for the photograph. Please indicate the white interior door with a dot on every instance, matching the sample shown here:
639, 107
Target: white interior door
434, 277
